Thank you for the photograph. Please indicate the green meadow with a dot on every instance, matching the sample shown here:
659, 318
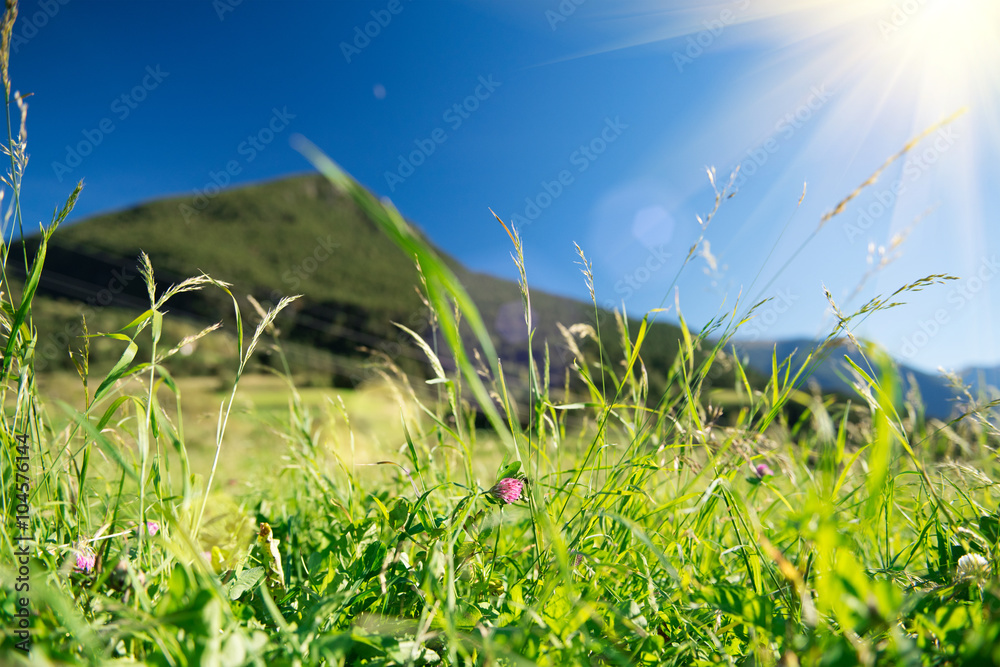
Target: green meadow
635, 504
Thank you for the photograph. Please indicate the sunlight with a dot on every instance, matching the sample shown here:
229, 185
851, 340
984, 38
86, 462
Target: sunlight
835, 87
897, 66
916, 59
948, 46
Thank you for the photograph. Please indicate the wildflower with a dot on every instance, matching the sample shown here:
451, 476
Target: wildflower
973, 567
763, 470
507, 490
152, 528
86, 559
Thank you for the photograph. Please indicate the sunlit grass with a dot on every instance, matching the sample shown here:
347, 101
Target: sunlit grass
179, 521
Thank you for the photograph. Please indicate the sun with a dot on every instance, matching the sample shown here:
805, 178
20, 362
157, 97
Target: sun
948, 48
892, 68
912, 59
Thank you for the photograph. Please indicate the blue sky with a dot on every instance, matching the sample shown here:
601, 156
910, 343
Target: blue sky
588, 121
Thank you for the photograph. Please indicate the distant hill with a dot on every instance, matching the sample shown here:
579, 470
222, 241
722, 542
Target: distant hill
939, 399
296, 235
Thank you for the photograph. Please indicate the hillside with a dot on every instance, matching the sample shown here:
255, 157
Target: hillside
938, 398
292, 236
298, 235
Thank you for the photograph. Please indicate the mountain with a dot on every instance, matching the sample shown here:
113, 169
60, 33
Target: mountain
295, 235
298, 235
982, 376
833, 374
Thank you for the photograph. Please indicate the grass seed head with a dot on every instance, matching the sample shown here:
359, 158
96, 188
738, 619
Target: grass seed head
973, 567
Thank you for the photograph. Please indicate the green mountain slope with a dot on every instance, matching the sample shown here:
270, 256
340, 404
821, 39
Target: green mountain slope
291, 236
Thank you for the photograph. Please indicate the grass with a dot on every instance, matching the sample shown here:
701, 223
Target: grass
443, 522
259, 416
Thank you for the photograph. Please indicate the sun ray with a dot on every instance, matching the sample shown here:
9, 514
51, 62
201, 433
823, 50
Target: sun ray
893, 68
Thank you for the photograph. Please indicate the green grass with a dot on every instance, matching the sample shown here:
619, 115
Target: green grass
259, 418
296, 527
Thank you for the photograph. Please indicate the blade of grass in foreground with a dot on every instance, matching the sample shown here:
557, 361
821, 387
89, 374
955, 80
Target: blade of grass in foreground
442, 284
31, 283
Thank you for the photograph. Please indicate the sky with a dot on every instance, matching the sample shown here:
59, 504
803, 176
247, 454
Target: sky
597, 122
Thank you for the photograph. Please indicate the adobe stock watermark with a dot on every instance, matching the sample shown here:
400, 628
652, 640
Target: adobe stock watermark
916, 165
381, 18
121, 107
20, 626
562, 12
299, 272
900, 15
30, 25
223, 7
248, 149
581, 158
633, 281
455, 115
964, 292
699, 42
765, 316
56, 344
398, 345
784, 129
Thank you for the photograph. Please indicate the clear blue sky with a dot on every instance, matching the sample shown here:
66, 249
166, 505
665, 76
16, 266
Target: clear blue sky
603, 114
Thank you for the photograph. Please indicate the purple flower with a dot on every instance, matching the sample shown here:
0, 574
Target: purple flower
152, 528
763, 470
85, 558
507, 490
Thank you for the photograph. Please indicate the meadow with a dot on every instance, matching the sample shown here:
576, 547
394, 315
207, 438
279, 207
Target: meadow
154, 519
